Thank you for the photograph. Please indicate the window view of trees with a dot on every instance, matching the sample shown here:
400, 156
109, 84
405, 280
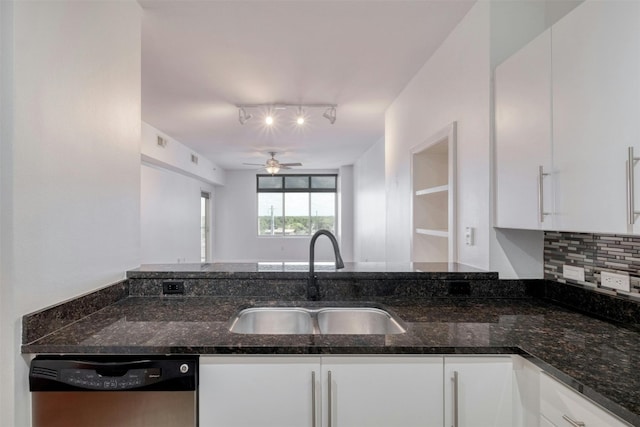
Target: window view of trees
286, 212
301, 213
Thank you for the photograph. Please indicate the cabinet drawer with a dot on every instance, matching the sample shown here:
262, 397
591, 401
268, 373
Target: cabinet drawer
558, 401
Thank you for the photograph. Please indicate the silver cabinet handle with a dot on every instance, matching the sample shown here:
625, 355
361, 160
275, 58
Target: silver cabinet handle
454, 388
329, 400
541, 212
631, 204
574, 423
313, 399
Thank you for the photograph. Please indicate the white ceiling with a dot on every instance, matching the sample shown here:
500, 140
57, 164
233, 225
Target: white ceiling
201, 58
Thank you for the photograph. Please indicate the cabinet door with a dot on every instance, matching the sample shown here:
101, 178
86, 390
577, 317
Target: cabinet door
382, 391
523, 137
258, 391
596, 106
478, 392
545, 422
559, 404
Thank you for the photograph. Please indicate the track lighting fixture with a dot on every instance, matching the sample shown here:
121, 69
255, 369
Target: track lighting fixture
243, 116
330, 114
300, 118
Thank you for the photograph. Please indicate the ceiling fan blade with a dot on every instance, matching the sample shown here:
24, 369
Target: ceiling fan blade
254, 164
290, 164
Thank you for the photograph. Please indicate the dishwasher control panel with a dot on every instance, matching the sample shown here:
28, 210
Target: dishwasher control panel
89, 378
113, 373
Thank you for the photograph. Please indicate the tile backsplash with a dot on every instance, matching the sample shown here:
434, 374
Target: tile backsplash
595, 253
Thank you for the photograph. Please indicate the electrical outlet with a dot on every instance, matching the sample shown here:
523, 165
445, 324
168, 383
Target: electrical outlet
572, 272
459, 287
173, 287
615, 281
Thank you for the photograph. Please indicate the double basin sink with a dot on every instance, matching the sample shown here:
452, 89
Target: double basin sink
323, 320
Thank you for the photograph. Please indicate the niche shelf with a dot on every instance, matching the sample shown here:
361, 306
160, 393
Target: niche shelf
432, 190
433, 172
432, 232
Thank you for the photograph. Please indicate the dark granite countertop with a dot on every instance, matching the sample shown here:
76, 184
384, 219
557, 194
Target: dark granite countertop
433, 270
597, 358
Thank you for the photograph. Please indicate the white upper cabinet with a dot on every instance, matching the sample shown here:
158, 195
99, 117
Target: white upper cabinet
524, 191
567, 111
596, 114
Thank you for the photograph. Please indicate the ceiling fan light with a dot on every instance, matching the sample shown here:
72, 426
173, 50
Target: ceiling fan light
269, 120
272, 169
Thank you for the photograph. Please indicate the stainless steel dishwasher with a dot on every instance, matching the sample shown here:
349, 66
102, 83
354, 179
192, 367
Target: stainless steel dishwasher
114, 391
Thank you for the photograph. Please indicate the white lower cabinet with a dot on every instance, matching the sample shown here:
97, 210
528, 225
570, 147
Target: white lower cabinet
545, 422
382, 391
388, 391
478, 392
296, 391
257, 391
562, 407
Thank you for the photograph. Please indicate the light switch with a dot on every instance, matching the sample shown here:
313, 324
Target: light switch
469, 236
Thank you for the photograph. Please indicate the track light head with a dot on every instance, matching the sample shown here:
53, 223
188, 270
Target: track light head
330, 114
269, 119
300, 116
243, 116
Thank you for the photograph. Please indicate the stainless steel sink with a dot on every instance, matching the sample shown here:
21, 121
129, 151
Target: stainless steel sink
273, 320
364, 320
322, 320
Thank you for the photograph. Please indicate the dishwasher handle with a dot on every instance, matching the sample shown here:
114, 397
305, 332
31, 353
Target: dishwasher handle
113, 374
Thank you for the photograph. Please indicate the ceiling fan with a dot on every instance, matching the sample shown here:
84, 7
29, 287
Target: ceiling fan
272, 165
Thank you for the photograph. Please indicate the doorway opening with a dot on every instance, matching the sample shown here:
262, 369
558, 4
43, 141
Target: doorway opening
205, 229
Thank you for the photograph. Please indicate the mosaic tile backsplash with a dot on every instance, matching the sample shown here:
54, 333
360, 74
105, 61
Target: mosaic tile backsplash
595, 253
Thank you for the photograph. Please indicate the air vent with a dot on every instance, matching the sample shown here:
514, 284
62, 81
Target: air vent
162, 142
194, 159
38, 371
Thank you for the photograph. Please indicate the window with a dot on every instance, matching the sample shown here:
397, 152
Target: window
296, 205
205, 244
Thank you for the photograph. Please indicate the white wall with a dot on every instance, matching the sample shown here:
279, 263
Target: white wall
369, 205
453, 85
176, 156
513, 25
345, 212
235, 230
71, 207
8, 332
170, 216
170, 198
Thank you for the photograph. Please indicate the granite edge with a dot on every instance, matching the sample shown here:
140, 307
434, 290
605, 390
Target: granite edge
293, 275
45, 321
